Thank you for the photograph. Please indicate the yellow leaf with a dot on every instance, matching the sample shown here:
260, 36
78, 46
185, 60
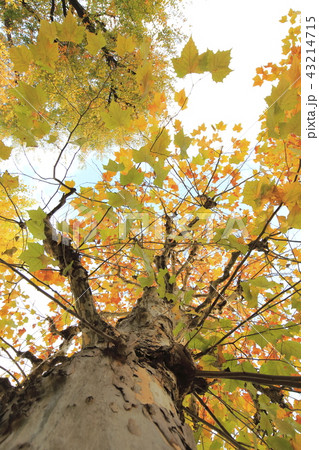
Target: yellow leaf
159, 103
70, 184
116, 116
69, 30
8, 181
5, 151
124, 45
291, 194
188, 62
176, 311
257, 81
95, 42
21, 57
221, 126
44, 52
144, 77
47, 30
238, 128
181, 99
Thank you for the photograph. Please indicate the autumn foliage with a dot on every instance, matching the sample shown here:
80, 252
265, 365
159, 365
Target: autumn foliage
215, 230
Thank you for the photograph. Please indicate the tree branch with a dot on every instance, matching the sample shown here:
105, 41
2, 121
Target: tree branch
268, 380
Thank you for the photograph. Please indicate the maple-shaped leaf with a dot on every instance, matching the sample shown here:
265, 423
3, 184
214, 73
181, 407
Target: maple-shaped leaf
144, 76
218, 64
146, 281
113, 166
161, 174
123, 198
183, 142
181, 99
95, 42
188, 62
292, 126
283, 95
291, 194
221, 126
237, 128
5, 151
69, 30
34, 98
116, 117
161, 141
21, 57
133, 176
275, 116
36, 224
8, 181
146, 255
45, 53
257, 81
124, 45
32, 256
47, 30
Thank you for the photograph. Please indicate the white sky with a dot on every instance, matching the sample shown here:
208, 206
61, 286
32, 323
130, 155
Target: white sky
253, 31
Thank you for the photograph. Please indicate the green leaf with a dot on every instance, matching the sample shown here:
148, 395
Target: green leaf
161, 141
21, 57
116, 117
285, 426
250, 294
188, 62
5, 151
276, 368
218, 64
36, 214
146, 255
275, 115
146, 281
133, 176
95, 42
278, 443
8, 181
183, 142
265, 423
123, 198
32, 256
69, 30
45, 53
161, 174
113, 166
263, 282
292, 126
289, 348
188, 296
33, 97
264, 335
36, 224
47, 30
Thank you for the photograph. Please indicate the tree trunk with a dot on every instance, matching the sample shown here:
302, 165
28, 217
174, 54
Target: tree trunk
105, 397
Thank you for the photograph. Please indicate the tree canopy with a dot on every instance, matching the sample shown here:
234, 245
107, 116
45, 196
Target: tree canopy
214, 229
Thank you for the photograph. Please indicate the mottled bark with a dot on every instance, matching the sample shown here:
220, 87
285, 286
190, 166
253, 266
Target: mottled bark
95, 401
108, 397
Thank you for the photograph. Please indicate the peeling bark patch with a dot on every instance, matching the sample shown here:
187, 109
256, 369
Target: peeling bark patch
51, 415
171, 429
114, 407
133, 427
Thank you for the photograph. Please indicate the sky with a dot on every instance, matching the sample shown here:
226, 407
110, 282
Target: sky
251, 29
